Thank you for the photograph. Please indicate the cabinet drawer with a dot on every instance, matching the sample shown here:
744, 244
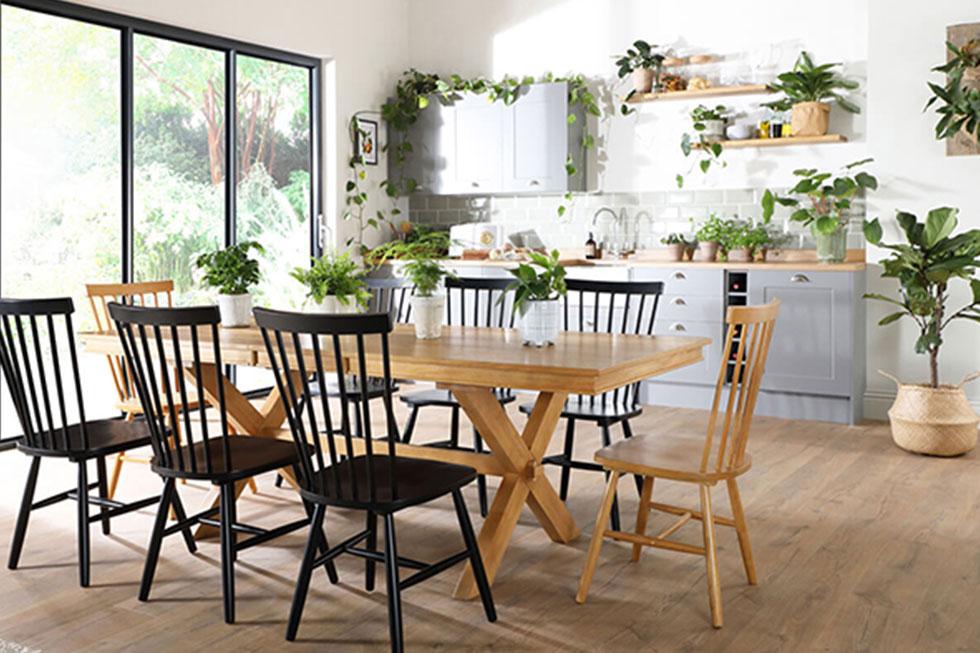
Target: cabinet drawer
681, 280
690, 307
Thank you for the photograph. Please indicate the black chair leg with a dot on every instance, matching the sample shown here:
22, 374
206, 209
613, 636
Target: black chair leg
305, 571
331, 569
454, 428
391, 579
228, 550
606, 441
481, 480
179, 513
103, 492
566, 468
279, 480
84, 537
156, 536
372, 545
410, 425
20, 530
628, 433
476, 560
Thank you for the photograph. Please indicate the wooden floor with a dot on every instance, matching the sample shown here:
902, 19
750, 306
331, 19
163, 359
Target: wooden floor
859, 546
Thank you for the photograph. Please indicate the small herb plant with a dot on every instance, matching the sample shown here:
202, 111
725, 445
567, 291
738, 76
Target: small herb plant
710, 149
821, 199
673, 239
959, 106
807, 82
425, 274
713, 230
230, 270
334, 274
924, 267
531, 285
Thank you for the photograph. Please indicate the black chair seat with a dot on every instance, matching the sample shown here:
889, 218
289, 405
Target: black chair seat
437, 397
105, 437
375, 388
597, 410
416, 481
249, 456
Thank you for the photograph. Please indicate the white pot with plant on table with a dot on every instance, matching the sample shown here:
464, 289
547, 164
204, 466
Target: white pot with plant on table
232, 272
537, 297
428, 302
334, 284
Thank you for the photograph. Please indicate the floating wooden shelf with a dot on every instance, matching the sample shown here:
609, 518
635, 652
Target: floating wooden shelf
781, 142
716, 91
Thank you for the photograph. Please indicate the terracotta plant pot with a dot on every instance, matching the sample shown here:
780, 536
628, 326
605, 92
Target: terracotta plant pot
740, 255
934, 421
706, 252
810, 118
642, 80
676, 251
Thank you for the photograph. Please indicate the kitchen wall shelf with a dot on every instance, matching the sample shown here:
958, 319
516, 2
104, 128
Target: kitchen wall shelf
717, 91
780, 142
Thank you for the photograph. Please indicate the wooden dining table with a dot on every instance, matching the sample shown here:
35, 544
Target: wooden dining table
470, 362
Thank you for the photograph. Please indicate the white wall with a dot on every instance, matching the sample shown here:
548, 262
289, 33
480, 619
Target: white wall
364, 46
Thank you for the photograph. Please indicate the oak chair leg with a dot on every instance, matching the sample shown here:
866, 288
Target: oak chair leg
642, 514
711, 556
597, 534
743, 531
114, 477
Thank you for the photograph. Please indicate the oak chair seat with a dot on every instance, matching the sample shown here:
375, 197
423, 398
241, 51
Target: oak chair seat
249, 457
105, 437
666, 456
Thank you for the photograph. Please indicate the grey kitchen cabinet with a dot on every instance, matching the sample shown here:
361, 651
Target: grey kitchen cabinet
472, 146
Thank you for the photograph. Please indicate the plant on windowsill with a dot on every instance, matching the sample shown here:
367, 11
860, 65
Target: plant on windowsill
428, 304
822, 201
959, 99
708, 125
931, 418
536, 296
811, 88
233, 273
334, 284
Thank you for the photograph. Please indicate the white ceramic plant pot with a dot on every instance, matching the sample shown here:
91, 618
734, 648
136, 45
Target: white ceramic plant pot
236, 310
714, 129
427, 313
541, 323
331, 304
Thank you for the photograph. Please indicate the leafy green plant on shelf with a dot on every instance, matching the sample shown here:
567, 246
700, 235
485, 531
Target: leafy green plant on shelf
708, 125
807, 82
640, 58
334, 275
959, 98
231, 270
712, 230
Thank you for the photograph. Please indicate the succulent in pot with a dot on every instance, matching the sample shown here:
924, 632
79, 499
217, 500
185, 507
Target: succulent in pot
676, 245
428, 304
536, 298
709, 236
810, 88
931, 418
822, 200
232, 272
334, 284
644, 64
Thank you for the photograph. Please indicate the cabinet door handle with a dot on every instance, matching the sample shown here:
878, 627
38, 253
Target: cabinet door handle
678, 275
677, 326
535, 182
678, 301
799, 278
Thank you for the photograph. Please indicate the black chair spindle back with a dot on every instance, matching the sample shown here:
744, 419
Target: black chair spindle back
391, 295
477, 302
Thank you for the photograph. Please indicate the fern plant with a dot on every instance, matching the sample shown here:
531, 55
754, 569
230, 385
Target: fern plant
230, 270
334, 274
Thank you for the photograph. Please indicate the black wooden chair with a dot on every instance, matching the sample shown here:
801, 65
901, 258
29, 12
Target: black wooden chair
337, 469
628, 307
46, 389
469, 302
156, 340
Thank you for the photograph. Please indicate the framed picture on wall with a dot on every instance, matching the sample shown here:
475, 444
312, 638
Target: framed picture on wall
367, 141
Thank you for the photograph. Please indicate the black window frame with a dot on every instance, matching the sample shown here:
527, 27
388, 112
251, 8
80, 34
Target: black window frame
129, 26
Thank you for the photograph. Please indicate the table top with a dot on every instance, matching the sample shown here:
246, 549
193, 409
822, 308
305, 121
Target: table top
585, 363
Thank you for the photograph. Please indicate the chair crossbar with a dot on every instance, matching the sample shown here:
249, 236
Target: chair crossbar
695, 514
656, 542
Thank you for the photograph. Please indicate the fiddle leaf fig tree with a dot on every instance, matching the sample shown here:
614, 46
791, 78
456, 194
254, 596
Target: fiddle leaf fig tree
925, 265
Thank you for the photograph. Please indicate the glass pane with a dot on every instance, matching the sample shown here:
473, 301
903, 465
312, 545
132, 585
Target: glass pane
179, 167
273, 201
60, 175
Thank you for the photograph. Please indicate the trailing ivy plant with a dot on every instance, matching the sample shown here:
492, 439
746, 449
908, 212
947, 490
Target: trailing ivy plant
231, 270
709, 149
641, 55
959, 106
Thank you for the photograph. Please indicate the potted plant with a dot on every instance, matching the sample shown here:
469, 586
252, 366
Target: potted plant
710, 122
810, 88
959, 99
931, 418
709, 130
232, 272
334, 284
827, 199
536, 296
737, 241
709, 236
644, 64
761, 239
676, 246
428, 305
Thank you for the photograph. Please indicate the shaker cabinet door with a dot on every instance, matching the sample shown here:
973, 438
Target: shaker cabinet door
476, 149
536, 141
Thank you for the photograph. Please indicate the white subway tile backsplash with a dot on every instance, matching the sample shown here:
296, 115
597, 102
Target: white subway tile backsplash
680, 197
740, 196
709, 196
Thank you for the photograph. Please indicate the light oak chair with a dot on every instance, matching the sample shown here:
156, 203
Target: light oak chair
158, 294
718, 456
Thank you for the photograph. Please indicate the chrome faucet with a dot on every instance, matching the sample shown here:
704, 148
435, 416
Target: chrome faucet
604, 240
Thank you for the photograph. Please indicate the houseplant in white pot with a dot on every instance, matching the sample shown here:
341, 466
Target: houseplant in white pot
334, 284
232, 272
811, 88
643, 64
428, 304
822, 201
536, 298
931, 418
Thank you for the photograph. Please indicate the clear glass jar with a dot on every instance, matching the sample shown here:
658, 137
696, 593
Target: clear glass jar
831, 248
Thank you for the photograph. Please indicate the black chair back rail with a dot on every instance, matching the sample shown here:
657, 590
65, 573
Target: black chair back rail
489, 303
391, 295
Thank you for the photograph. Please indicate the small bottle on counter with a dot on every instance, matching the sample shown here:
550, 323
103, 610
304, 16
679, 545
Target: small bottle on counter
591, 250
776, 126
